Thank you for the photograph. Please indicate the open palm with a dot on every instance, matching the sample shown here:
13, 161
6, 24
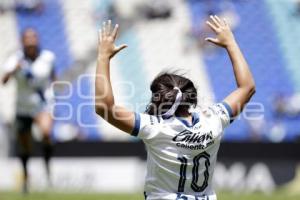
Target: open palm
224, 36
107, 39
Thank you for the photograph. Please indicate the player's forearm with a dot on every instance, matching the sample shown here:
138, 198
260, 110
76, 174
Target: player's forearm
243, 75
104, 98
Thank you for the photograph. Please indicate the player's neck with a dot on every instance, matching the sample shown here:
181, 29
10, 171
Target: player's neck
187, 116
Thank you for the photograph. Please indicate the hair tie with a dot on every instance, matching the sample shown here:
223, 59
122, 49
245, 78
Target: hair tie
175, 105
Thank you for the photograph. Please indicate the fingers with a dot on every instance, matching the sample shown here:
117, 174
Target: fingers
220, 22
108, 27
115, 31
104, 29
214, 21
217, 22
119, 48
225, 22
100, 35
212, 40
212, 26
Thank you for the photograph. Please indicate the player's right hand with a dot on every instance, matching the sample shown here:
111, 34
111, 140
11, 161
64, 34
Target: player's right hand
8, 75
107, 37
224, 35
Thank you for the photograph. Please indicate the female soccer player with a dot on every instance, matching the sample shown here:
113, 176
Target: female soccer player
33, 69
182, 145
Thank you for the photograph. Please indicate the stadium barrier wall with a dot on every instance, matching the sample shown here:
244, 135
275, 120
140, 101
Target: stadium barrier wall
120, 167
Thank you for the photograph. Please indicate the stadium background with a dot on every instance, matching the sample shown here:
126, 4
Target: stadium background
258, 153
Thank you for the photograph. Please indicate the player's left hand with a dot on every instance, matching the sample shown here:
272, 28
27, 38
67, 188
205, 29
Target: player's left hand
107, 37
224, 35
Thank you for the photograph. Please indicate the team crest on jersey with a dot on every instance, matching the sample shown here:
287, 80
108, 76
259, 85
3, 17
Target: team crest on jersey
193, 140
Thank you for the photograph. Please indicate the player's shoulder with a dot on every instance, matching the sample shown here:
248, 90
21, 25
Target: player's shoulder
47, 55
219, 113
204, 111
216, 109
208, 114
151, 119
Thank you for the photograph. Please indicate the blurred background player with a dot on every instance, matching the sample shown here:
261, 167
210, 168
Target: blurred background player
32, 67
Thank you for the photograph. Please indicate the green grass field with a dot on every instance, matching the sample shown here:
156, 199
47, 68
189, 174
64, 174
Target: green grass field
73, 196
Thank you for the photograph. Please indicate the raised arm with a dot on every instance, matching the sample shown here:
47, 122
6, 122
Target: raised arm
10, 69
105, 106
6, 77
244, 79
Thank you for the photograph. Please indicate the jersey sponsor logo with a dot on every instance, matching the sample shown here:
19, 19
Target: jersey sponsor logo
193, 140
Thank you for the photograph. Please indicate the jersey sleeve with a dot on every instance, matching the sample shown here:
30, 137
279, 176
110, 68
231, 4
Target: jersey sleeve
145, 126
223, 112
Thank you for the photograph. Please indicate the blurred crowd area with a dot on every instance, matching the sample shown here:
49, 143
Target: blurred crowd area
29, 6
162, 35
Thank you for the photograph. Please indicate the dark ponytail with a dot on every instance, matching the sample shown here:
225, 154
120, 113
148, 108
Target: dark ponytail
164, 94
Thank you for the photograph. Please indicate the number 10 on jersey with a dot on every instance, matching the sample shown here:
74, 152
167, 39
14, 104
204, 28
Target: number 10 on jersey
195, 172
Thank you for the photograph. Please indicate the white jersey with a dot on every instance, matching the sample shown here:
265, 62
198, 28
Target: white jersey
182, 156
33, 81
